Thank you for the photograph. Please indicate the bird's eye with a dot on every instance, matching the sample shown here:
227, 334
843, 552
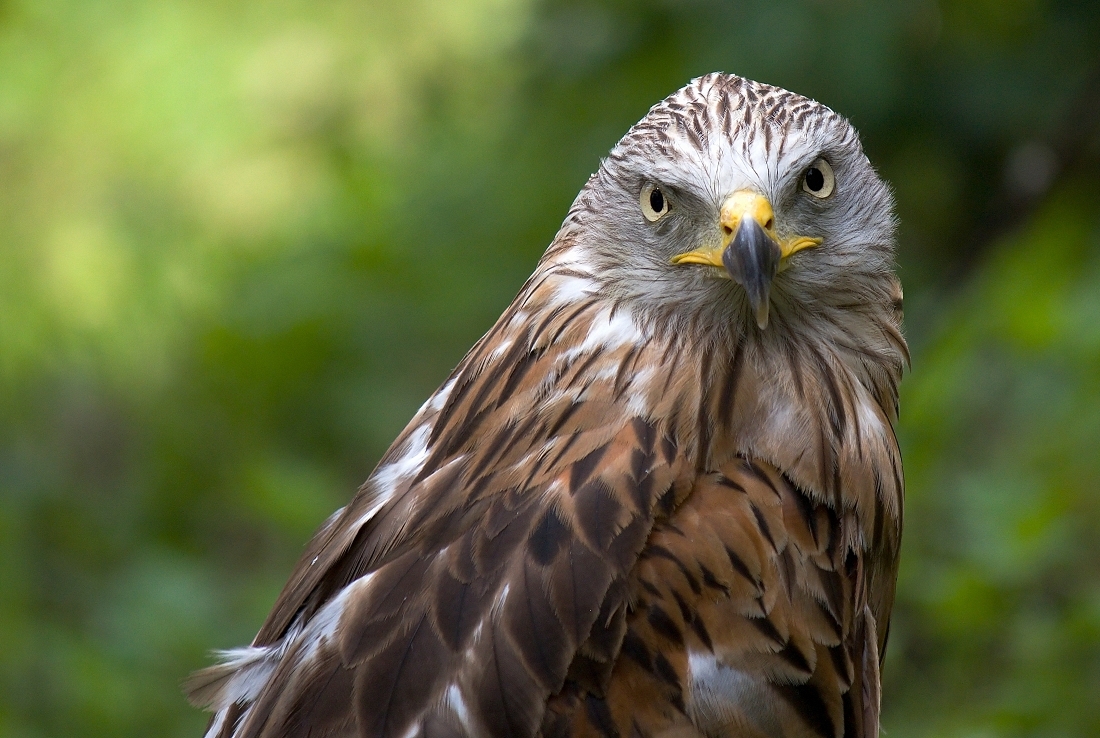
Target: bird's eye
654, 203
819, 180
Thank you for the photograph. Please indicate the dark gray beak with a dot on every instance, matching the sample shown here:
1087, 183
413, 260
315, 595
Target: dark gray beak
752, 260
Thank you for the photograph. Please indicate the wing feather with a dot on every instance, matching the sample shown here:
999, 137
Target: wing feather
486, 558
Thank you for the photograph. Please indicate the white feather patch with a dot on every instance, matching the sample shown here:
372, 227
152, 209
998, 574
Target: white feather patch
457, 703
324, 625
410, 461
869, 420
436, 402
388, 478
721, 694
570, 290
498, 604
608, 331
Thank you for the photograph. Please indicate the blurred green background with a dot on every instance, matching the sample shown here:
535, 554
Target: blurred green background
241, 242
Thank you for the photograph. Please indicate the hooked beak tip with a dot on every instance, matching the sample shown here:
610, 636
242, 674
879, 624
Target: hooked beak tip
762, 315
752, 260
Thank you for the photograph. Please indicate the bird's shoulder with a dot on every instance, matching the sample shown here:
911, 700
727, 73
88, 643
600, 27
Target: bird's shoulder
489, 548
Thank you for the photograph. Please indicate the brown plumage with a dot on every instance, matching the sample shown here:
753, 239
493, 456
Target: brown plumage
660, 497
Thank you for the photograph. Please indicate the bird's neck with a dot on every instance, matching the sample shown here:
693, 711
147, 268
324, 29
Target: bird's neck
820, 405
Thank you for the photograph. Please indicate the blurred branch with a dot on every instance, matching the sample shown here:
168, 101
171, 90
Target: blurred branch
1031, 171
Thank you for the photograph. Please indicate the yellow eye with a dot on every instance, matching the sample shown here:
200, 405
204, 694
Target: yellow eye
819, 180
654, 203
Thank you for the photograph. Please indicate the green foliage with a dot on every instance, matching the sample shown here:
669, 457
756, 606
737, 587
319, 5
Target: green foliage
241, 242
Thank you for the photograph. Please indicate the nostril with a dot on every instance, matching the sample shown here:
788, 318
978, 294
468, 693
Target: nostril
727, 230
769, 224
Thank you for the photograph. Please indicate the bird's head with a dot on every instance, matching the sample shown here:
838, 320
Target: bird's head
740, 203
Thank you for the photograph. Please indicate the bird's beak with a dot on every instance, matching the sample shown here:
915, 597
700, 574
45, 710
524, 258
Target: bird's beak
750, 253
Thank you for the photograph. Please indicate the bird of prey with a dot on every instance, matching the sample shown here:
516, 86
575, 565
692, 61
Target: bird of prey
660, 497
